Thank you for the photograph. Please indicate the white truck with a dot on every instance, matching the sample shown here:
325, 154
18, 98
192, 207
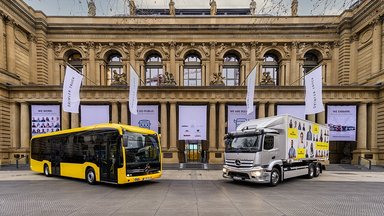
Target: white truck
270, 150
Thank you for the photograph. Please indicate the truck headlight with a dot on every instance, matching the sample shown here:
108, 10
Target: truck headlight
225, 170
256, 173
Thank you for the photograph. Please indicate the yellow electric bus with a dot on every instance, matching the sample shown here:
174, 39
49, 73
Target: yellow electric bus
111, 153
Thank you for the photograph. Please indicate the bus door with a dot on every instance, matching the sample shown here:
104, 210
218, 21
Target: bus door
55, 156
108, 157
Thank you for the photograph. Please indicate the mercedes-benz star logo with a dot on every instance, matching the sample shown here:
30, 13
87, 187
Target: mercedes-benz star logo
237, 162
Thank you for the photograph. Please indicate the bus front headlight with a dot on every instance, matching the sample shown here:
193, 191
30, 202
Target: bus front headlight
225, 170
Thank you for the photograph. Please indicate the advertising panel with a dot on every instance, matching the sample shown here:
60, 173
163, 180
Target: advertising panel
94, 114
45, 118
293, 110
192, 122
238, 115
342, 122
307, 140
147, 117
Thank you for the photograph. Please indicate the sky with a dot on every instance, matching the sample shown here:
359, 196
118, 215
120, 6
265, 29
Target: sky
120, 7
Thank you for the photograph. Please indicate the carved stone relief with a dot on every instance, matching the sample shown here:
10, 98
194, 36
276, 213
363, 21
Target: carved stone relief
366, 36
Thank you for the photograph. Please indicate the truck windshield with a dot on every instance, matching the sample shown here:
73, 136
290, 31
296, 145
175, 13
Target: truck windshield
142, 153
243, 144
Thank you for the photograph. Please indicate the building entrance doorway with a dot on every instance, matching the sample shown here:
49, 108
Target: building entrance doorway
193, 151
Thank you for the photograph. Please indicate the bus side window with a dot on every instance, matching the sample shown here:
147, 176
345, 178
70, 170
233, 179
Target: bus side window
268, 142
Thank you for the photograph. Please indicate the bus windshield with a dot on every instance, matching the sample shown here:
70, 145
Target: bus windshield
142, 153
243, 143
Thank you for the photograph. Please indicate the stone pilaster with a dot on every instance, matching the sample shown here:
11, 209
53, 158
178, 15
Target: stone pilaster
24, 126
33, 59
173, 151
221, 126
51, 63
15, 125
11, 53
376, 46
271, 109
74, 120
92, 74
372, 133
354, 59
115, 112
2, 43
261, 113
124, 113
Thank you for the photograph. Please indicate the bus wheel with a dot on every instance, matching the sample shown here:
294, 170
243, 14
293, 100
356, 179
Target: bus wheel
311, 171
46, 170
90, 176
317, 170
275, 177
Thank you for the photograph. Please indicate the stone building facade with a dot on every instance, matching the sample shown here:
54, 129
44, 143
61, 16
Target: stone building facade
35, 49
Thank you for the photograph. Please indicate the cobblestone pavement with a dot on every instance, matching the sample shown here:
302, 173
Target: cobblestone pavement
193, 192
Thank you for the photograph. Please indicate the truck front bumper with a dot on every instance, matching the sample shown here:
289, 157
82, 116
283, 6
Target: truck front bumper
255, 174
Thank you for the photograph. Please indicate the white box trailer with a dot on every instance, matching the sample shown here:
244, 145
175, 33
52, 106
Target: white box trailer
269, 150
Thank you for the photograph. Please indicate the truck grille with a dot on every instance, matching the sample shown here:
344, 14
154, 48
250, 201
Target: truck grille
237, 174
239, 163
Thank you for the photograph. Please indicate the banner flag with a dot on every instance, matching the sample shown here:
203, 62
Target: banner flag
250, 91
313, 92
71, 90
133, 86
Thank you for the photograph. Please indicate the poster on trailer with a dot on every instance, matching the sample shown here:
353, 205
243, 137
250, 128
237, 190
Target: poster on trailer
45, 119
342, 123
238, 115
147, 117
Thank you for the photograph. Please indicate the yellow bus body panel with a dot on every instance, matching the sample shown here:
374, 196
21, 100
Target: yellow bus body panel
38, 166
75, 170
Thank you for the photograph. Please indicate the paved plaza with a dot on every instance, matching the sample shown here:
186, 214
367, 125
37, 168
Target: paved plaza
193, 192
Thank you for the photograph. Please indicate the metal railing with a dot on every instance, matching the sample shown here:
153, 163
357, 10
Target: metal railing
365, 162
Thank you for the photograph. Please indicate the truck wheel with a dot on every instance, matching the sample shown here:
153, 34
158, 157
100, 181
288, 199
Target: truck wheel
311, 171
46, 170
90, 176
317, 170
275, 177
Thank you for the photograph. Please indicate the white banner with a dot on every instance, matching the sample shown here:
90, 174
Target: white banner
45, 118
238, 115
94, 114
342, 123
133, 86
147, 117
250, 90
192, 122
313, 92
71, 90
293, 110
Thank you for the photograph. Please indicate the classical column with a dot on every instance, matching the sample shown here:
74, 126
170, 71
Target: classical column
362, 127
271, 109
74, 120
164, 125
15, 125
103, 74
124, 113
65, 124
11, 53
354, 59
2, 44
253, 55
172, 127
221, 126
372, 138
115, 112
51, 63
321, 118
212, 126
261, 113
361, 133
33, 59
172, 57
376, 46
24, 125
243, 75
311, 118
92, 74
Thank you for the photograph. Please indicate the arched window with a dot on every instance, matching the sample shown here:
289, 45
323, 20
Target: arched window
192, 70
74, 59
310, 61
153, 70
270, 72
115, 71
231, 70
